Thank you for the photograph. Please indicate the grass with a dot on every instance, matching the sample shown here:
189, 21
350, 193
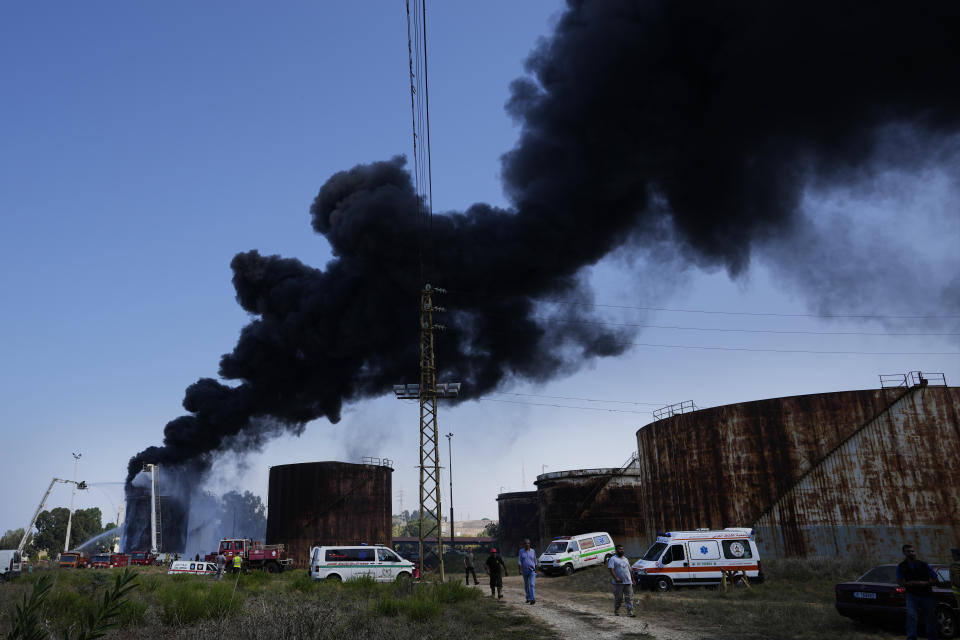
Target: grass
796, 601
259, 605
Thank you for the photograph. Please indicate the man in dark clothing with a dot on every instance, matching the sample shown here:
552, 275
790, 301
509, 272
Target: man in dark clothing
496, 570
468, 567
918, 579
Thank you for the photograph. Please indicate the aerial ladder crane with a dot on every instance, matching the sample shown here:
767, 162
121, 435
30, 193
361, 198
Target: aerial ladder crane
36, 514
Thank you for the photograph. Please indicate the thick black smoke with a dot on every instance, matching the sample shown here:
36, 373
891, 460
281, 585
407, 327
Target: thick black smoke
707, 119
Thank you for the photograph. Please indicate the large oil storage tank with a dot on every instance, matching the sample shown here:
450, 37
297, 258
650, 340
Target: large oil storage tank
519, 519
586, 500
174, 496
328, 503
825, 474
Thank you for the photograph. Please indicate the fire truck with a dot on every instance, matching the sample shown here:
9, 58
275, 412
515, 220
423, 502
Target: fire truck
109, 560
142, 558
256, 555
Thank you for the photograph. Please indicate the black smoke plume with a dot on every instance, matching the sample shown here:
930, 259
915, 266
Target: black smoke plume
704, 121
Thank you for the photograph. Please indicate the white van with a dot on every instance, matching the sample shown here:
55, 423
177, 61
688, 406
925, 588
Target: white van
566, 554
10, 564
682, 558
192, 567
354, 561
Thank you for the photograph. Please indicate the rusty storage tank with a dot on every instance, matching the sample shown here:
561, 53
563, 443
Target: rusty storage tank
846, 472
328, 503
519, 519
586, 500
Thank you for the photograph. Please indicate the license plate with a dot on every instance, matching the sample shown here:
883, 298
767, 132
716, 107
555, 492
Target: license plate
865, 594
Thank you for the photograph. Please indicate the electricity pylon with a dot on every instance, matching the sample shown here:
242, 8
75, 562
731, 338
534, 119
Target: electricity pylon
428, 392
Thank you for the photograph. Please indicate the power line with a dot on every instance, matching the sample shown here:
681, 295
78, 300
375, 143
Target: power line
735, 330
537, 395
727, 313
563, 406
810, 351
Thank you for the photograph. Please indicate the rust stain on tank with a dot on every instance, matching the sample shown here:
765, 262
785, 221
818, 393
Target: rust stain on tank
519, 518
586, 500
855, 471
328, 503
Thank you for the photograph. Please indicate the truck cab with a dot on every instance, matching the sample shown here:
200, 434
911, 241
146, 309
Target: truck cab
142, 558
11, 564
73, 560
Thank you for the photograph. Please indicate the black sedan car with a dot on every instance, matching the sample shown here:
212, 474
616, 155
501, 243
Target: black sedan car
876, 597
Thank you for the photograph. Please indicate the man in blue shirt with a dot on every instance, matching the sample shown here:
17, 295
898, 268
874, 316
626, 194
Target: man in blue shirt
528, 567
918, 579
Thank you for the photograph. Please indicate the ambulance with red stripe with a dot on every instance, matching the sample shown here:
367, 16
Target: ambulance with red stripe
701, 557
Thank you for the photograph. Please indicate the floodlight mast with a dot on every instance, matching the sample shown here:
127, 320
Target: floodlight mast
73, 493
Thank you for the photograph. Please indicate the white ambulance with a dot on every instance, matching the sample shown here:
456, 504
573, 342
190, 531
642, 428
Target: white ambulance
354, 561
192, 567
566, 554
682, 558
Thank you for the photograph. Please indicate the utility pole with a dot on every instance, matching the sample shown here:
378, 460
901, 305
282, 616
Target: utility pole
73, 492
450, 458
428, 392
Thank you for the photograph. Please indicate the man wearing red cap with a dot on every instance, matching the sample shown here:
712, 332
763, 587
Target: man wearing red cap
496, 570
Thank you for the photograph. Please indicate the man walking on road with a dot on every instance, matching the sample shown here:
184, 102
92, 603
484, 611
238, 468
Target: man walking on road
221, 564
468, 567
622, 581
918, 579
528, 567
496, 570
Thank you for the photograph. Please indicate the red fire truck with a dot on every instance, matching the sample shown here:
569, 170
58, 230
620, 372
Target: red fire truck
109, 560
256, 555
142, 558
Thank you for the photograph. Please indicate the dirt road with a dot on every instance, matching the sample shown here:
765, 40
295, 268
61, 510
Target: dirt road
583, 615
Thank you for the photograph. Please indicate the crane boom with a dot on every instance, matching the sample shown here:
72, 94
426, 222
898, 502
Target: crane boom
36, 514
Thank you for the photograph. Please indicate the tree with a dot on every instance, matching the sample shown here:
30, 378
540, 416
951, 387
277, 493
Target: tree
52, 528
243, 516
492, 530
413, 526
11, 540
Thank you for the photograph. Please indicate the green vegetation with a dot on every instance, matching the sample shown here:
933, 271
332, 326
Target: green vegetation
796, 601
92, 619
257, 605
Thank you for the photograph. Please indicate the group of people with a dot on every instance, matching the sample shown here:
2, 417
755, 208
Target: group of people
527, 565
236, 565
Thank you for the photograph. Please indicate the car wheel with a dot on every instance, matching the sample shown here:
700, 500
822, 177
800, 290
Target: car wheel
568, 569
273, 567
946, 623
403, 576
662, 584
334, 577
606, 559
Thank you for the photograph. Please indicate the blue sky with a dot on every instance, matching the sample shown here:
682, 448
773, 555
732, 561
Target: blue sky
143, 146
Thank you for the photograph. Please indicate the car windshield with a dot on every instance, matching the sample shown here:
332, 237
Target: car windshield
557, 547
886, 574
68, 557
139, 556
654, 552
101, 558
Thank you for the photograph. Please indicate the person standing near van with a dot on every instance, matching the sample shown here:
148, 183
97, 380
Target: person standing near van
496, 570
918, 579
468, 567
237, 563
527, 559
622, 581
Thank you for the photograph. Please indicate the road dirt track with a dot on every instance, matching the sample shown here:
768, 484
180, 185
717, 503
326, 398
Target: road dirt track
582, 615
